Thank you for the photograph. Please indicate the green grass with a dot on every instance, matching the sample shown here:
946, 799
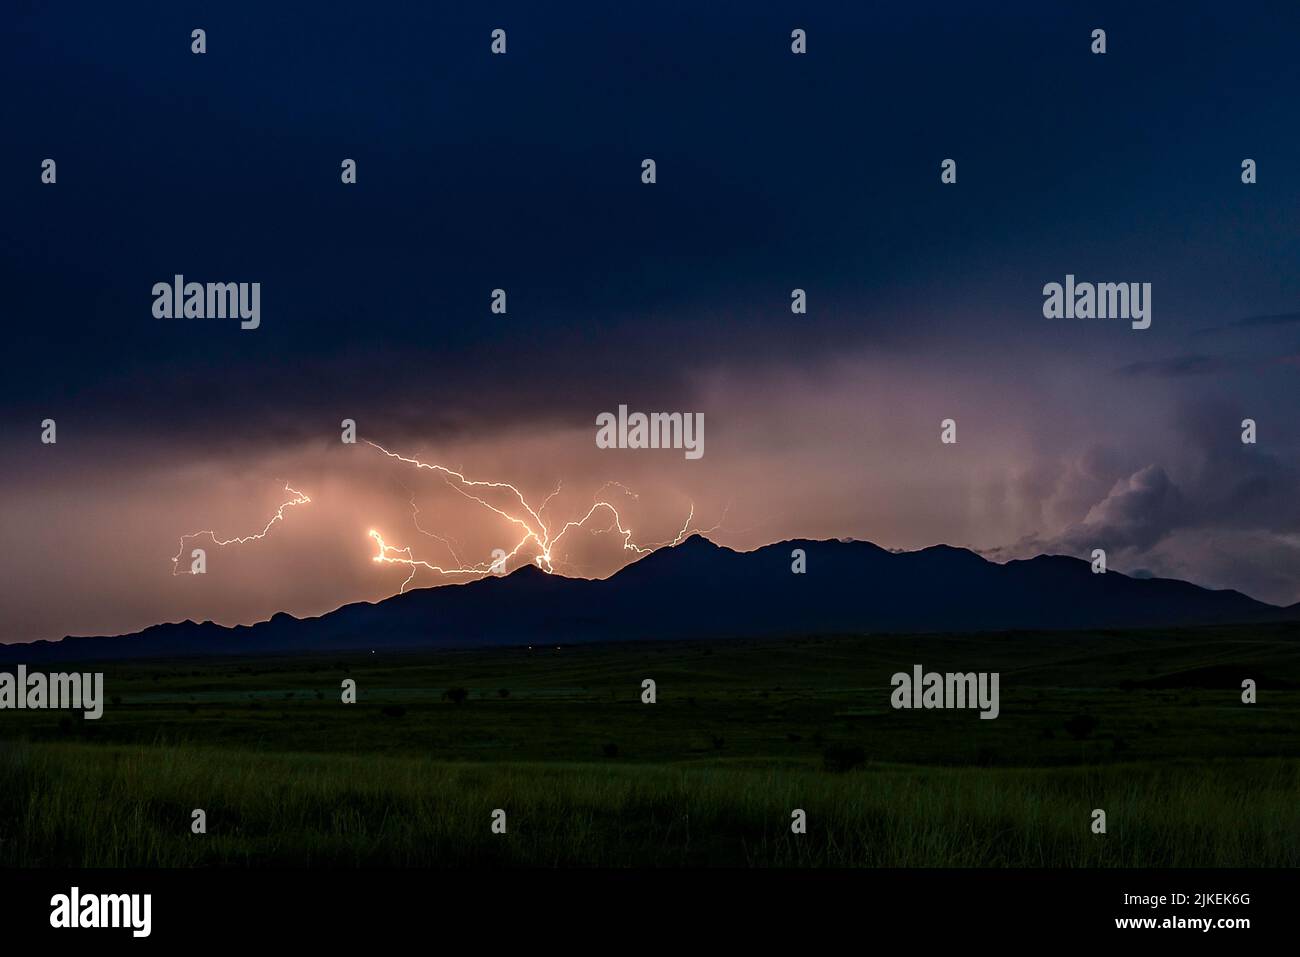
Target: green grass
740, 736
77, 805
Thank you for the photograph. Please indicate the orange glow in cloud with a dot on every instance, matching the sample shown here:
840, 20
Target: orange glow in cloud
533, 527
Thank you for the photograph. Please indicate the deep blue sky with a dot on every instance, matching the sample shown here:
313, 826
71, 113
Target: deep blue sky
775, 171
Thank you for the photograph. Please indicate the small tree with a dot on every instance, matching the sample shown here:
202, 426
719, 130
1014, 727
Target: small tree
457, 695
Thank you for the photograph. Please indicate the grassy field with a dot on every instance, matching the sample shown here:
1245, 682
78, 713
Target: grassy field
1148, 726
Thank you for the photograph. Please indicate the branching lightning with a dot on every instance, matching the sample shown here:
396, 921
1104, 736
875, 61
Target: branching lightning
528, 520
298, 499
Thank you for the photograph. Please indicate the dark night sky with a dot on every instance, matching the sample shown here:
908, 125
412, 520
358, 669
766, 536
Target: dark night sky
523, 172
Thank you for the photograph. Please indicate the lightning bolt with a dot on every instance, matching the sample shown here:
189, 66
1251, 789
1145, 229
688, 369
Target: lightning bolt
298, 499
450, 543
519, 513
392, 555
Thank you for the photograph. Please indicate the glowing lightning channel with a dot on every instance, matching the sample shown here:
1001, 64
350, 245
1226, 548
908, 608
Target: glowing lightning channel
390, 554
450, 543
298, 499
526, 518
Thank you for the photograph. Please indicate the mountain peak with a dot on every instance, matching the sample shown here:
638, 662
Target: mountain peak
698, 590
529, 571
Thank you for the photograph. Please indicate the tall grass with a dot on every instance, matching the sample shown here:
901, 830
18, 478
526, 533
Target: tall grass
102, 806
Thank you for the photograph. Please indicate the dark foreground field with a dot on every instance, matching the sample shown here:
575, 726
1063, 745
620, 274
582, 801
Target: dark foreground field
1148, 726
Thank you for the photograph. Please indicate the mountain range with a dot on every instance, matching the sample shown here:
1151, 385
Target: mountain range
698, 589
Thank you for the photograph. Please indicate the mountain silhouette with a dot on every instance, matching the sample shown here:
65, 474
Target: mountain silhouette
698, 589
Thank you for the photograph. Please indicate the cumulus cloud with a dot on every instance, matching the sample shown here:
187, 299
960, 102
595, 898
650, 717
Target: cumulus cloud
1216, 511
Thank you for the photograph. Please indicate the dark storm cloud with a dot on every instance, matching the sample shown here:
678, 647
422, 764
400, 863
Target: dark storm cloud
1179, 366
1246, 486
1280, 319
522, 173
